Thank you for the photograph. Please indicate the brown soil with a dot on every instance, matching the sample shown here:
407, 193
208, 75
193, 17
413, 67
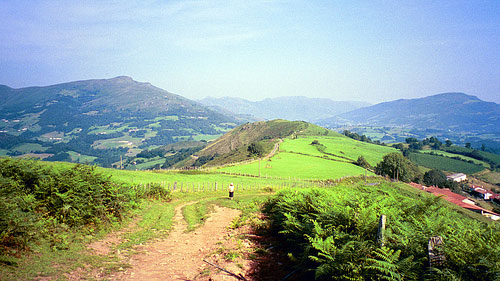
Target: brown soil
179, 256
104, 246
192, 255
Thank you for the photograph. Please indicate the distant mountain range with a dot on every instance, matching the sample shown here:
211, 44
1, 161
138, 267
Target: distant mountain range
451, 115
99, 120
289, 108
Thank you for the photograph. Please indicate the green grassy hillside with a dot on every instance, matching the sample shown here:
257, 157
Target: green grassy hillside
330, 159
232, 147
338, 147
445, 163
453, 155
292, 165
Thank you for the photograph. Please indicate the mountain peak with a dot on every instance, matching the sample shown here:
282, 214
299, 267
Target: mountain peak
122, 78
455, 95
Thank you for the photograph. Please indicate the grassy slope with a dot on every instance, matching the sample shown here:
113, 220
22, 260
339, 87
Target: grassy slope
293, 165
313, 165
232, 147
487, 155
352, 149
449, 154
444, 163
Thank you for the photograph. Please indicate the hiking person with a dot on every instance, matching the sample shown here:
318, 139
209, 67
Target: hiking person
231, 191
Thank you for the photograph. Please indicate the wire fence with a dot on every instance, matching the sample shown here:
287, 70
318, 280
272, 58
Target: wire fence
223, 186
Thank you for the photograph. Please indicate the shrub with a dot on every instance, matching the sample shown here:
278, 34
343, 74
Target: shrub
153, 191
33, 198
362, 162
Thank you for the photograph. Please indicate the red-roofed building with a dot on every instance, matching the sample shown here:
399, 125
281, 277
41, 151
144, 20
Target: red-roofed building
457, 199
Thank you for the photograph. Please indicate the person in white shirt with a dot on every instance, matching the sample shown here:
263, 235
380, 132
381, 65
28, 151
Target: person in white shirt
231, 191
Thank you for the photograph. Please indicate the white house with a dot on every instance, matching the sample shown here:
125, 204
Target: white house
457, 177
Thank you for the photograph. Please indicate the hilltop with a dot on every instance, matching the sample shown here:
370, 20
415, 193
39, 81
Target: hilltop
98, 120
232, 147
289, 108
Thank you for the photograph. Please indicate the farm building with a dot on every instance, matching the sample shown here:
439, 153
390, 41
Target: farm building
457, 177
458, 200
481, 192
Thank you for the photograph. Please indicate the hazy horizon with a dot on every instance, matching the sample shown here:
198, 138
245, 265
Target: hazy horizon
373, 52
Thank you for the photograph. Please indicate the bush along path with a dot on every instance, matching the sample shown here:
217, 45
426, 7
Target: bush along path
180, 255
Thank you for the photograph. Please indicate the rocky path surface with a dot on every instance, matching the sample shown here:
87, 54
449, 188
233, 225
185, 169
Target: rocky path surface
180, 255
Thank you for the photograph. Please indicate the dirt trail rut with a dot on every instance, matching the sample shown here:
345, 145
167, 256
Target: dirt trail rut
180, 255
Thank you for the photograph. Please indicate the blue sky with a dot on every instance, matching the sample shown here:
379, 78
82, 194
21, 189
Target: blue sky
344, 50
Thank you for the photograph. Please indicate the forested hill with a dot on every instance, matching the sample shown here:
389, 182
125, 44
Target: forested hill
101, 119
446, 112
103, 95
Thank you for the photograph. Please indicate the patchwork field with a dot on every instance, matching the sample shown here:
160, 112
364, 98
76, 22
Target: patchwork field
444, 163
29, 147
466, 158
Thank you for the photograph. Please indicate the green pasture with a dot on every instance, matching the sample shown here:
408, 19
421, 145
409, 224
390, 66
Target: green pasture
3, 152
188, 178
444, 163
199, 180
302, 145
107, 129
494, 158
339, 146
169, 117
352, 149
292, 165
150, 133
492, 177
205, 137
313, 130
29, 147
146, 165
81, 158
123, 141
466, 158
154, 125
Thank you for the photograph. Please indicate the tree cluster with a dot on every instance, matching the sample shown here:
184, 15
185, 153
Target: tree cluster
255, 149
361, 161
396, 166
359, 137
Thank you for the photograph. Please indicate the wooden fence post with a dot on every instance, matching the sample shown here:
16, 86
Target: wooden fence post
381, 230
435, 251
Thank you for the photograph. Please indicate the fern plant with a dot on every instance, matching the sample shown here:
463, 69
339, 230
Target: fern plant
385, 265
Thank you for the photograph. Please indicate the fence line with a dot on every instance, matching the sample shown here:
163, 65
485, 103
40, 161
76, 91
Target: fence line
223, 186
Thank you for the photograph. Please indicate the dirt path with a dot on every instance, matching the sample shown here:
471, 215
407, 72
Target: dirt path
179, 256
275, 149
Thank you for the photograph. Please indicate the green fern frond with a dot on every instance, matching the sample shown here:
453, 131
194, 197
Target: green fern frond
385, 263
